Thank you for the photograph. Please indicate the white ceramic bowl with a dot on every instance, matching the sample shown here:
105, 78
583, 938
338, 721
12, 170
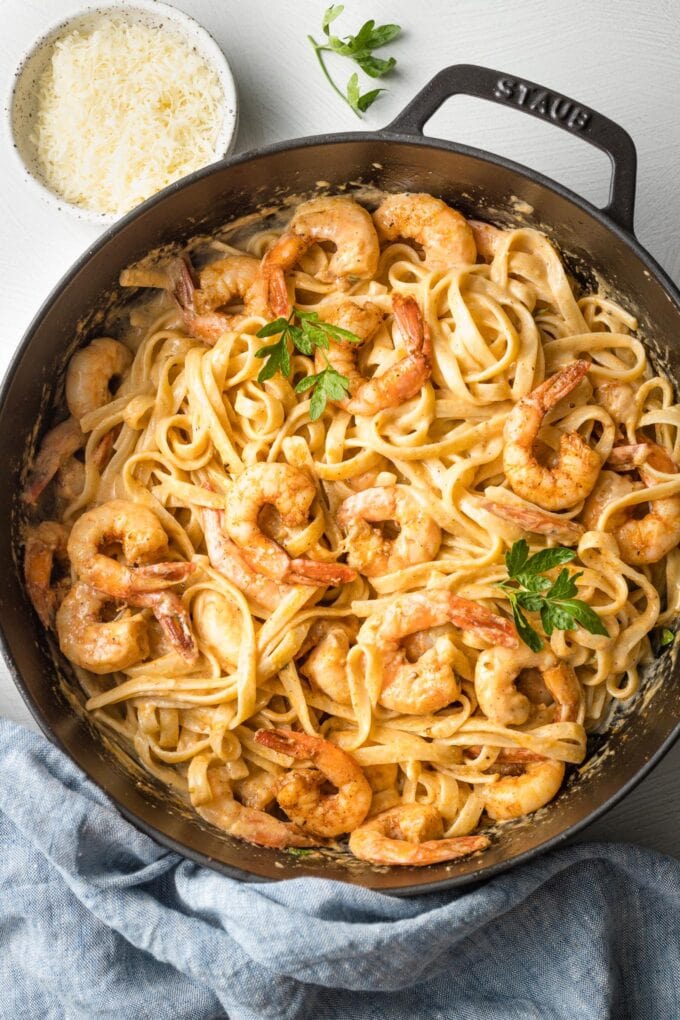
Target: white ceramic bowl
21, 108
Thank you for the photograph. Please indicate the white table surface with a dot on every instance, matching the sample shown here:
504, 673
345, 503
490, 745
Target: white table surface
618, 56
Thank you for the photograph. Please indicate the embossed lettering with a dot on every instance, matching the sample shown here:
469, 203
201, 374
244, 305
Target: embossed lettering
579, 118
560, 108
539, 103
504, 88
543, 103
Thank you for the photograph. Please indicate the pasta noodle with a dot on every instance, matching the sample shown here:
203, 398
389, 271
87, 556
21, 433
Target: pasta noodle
190, 418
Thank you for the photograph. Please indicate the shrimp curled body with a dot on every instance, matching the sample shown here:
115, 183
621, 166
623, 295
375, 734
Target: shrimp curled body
430, 683
444, 235
337, 219
91, 373
370, 552
573, 476
291, 492
515, 796
143, 540
300, 793
410, 835
495, 675
90, 642
45, 546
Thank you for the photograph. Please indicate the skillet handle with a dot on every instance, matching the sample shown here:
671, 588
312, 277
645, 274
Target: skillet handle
553, 107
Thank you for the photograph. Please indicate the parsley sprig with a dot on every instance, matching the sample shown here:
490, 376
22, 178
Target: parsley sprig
528, 589
308, 333
359, 48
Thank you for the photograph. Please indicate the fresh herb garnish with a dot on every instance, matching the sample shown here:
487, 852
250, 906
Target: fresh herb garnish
528, 589
298, 851
667, 638
309, 333
359, 48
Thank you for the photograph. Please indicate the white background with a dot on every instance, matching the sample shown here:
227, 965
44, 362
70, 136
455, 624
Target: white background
618, 56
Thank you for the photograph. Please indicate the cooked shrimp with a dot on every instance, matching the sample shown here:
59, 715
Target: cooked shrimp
326, 664
645, 539
575, 473
291, 492
91, 373
247, 823
487, 239
363, 321
258, 789
225, 557
429, 684
628, 457
496, 672
300, 790
373, 554
618, 399
172, 616
536, 521
143, 540
218, 623
339, 220
94, 644
57, 446
219, 283
514, 796
444, 235
45, 546
406, 378
411, 835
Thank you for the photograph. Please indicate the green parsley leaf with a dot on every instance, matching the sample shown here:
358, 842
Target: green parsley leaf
317, 404
516, 557
298, 851
333, 12
359, 48
272, 328
528, 589
278, 360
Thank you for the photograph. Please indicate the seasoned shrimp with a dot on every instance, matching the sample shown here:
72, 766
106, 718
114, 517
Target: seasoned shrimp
143, 540
57, 446
573, 476
496, 672
45, 546
514, 796
300, 792
487, 239
226, 557
618, 399
247, 823
326, 664
429, 684
172, 616
645, 539
291, 492
91, 374
219, 625
444, 235
406, 378
373, 554
628, 457
536, 521
336, 219
363, 321
411, 835
94, 644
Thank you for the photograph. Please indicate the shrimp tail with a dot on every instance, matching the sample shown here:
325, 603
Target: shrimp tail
172, 617
313, 572
165, 573
470, 615
284, 741
181, 283
554, 389
628, 458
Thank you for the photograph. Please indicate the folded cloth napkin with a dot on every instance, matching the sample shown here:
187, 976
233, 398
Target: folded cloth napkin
97, 921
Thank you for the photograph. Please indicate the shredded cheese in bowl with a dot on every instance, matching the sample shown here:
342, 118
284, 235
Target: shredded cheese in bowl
123, 111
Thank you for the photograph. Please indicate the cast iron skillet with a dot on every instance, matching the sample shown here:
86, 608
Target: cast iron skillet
399, 158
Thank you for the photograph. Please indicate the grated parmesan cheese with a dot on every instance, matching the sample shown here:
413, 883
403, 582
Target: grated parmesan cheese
123, 111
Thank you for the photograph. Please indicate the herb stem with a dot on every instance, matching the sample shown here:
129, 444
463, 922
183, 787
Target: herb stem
322, 64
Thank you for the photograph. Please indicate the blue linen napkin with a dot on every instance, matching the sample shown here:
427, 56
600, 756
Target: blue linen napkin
98, 921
